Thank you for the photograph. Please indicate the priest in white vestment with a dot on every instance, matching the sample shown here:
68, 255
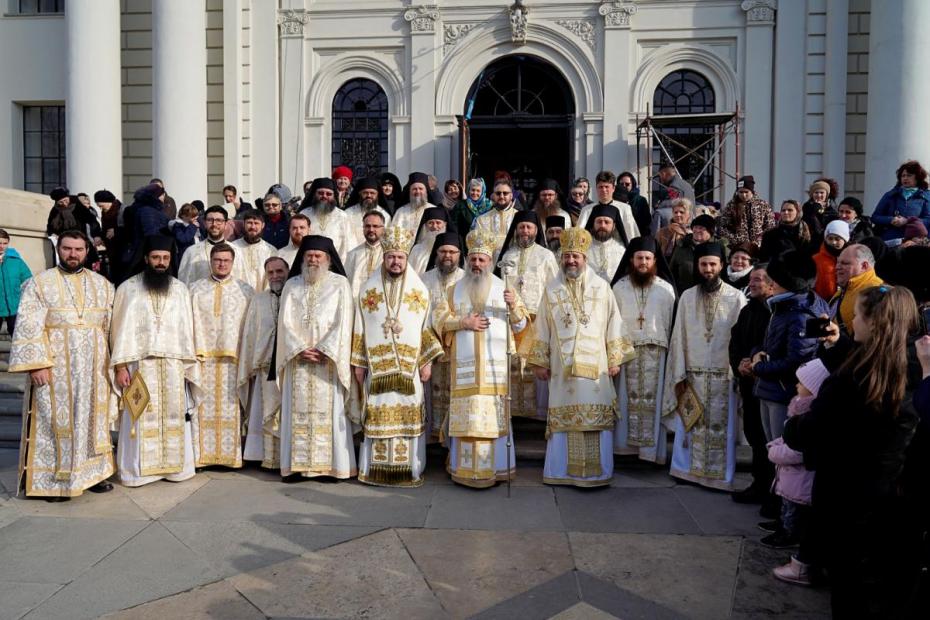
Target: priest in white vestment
195, 264
527, 266
152, 335
367, 191
256, 380
645, 295
579, 349
393, 348
608, 243
61, 341
326, 219
365, 259
312, 364
297, 229
548, 205
699, 401
252, 251
472, 322
497, 221
219, 304
409, 215
435, 220
443, 270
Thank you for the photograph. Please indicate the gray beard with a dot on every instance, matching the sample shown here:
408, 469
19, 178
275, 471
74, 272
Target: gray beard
571, 272
554, 244
477, 285
368, 205
276, 287
446, 268
525, 243
417, 201
324, 207
313, 274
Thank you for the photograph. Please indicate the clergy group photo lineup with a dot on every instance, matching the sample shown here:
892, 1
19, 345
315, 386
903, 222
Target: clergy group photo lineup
357, 326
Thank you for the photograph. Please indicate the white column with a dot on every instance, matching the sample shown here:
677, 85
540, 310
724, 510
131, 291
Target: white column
897, 124
834, 104
232, 94
263, 133
757, 106
618, 76
424, 49
179, 97
788, 134
93, 131
291, 23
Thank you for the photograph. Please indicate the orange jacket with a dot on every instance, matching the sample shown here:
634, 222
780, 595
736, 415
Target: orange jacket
826, 273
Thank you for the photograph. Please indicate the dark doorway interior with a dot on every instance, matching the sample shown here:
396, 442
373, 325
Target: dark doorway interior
519, 117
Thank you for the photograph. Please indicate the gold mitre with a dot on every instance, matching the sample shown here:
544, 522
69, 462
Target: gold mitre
575, 239
481, 242
397, 239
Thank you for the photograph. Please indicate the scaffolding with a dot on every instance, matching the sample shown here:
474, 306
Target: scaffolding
654, 130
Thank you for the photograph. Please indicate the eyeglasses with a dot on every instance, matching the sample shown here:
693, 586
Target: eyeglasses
214, 220
577, 193
501, 193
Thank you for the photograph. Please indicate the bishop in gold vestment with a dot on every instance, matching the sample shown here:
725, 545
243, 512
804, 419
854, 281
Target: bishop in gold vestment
61, 340
579, 348
219, 304
472, 321
152, 335
312, 364
392, 350
699, 401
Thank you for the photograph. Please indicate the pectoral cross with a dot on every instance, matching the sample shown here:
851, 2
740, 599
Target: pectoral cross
567, 319
641, 320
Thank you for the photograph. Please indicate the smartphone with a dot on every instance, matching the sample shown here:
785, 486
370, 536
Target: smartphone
815, 328
925, 315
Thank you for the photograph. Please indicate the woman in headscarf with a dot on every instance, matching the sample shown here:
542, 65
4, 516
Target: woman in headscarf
390, 190
451, 194
475, 203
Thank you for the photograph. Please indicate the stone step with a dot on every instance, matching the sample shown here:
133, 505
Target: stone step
4, 365
12, 383
10, 431
5, 346
12, 406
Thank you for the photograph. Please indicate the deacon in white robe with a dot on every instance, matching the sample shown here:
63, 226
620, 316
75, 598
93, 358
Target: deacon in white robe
297, 228
392, 351
699, 391
609, 241
527, 266
326, 219
646, 298
312, 364
435, 220
252, 251
61, 341
365, 259
152, 335
258, 386
443, 270
472, 322
409, 215
368, 193
579, 348
219, 304
195, 264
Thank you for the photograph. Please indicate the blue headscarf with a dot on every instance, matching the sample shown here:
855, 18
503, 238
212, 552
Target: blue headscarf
483, 204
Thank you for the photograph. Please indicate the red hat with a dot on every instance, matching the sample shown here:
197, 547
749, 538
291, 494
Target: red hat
342, 171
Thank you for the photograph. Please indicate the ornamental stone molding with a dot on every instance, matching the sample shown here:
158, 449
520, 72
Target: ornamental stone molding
760, 11
519, 19
616, 13
291, 22
452, 34
584, 30
422, 18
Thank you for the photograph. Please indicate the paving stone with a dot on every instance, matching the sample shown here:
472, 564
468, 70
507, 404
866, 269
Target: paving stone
9, 459
152, 565
543, 601
655, 475
56, 550
624, 510
470, 571
372, 576
238, 546
159, 497
716, 513
691, 575
19, 598
459, 507
113, 505
216, 600
333, 503
620, 603
583, 611
758, 593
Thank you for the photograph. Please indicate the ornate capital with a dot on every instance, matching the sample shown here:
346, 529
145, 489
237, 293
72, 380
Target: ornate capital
519, 18
291, 22
617, 13
422, 18
760, 11
452, 34
583, 29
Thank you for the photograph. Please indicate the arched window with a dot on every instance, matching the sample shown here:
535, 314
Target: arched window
360, 128
683, 93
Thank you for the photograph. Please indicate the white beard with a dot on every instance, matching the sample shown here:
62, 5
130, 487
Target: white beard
314, 274
276, 287
477, 286
417, 201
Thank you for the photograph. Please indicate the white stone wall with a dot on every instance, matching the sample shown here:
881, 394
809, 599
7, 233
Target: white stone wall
215, 103
814, 78
857, 84
136, 60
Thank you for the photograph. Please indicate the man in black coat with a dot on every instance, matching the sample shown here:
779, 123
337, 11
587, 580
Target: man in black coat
746, 335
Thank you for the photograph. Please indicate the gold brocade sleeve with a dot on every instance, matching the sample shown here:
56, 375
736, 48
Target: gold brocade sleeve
539, 351
430, 348
30, 349
445, 322
359, 354
619, 348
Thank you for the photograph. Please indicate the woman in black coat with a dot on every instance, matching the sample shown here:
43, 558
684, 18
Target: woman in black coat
791, 233
854, 438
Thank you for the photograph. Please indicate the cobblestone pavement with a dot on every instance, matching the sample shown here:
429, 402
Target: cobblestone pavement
241, 544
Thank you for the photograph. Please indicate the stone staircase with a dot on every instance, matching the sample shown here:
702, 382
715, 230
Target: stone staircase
11, 398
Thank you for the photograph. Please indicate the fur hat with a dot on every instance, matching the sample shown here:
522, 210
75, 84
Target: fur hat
819, 185
793, 271
705, 221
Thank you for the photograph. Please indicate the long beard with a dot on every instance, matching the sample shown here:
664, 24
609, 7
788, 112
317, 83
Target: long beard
313, 274
324, 207
427, 237
417, 201
642, 280
477, 286
554, 244
710, 285
156, 281
446, 268
368, 205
